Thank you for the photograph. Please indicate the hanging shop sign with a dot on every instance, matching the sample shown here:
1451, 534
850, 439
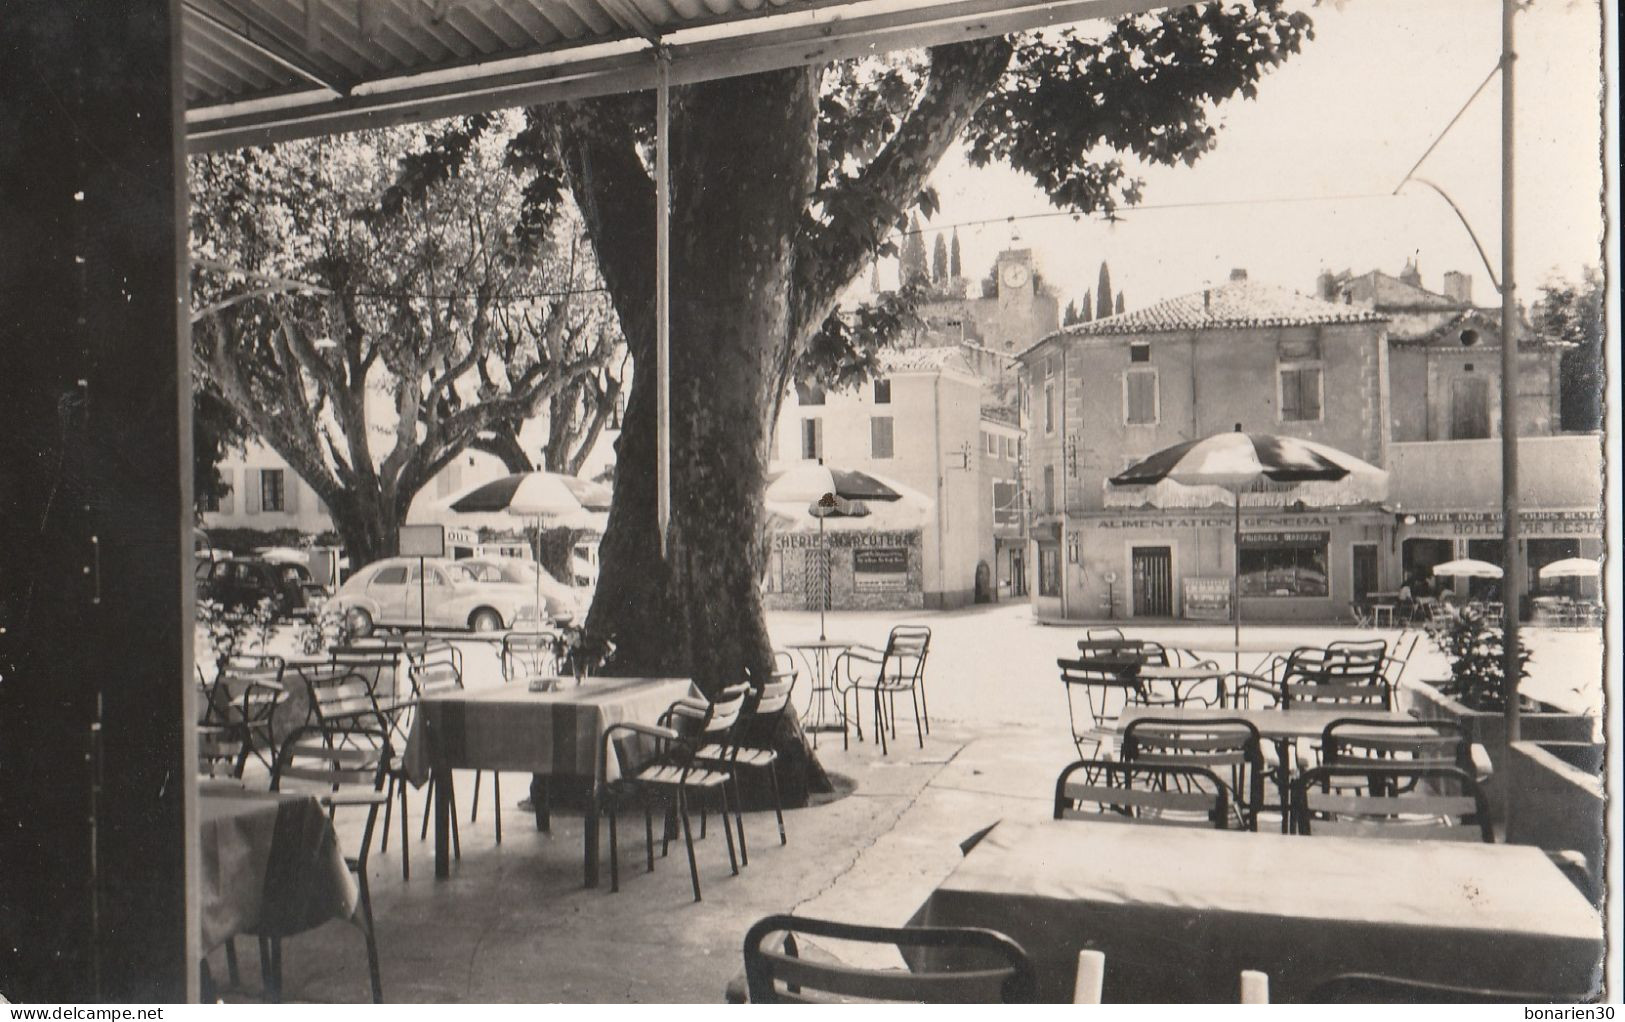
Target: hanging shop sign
1074, 547
1488, 523
880, 569
1207, 599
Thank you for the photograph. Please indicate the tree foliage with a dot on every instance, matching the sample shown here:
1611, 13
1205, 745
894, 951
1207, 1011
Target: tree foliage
914, 271
1087, 312
1572, 313
939, 259
836, 162
956, 268
1103, 291
370, 306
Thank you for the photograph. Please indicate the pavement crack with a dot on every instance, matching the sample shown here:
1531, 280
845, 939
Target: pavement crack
879, 832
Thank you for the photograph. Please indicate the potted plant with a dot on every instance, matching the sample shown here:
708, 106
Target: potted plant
1474, 694
1477, 653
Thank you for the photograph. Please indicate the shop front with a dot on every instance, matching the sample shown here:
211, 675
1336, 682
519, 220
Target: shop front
1294, 565
847, 569
1427, 538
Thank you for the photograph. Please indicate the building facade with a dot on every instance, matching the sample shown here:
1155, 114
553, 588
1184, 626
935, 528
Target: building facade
918, 422
1100, 396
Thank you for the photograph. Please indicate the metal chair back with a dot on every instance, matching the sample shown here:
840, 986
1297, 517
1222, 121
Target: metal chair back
1400, 801
1231, 748
775, 972
529, 655
1113, 791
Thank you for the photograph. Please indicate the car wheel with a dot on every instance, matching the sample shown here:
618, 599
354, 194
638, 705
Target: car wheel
485, 620
360, 622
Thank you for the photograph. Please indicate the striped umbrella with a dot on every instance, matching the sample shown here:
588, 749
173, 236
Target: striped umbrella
1239, 461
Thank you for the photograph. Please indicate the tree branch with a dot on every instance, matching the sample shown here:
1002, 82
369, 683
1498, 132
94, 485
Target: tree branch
830, 257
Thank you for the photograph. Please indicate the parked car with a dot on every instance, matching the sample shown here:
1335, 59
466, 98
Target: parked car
387, 593
238, 583
559, 602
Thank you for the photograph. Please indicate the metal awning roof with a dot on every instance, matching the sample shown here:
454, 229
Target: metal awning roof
259, 71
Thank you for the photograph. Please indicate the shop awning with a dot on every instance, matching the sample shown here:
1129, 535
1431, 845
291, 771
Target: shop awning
260, 71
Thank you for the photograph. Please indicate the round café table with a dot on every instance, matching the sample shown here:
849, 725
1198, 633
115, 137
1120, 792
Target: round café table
820, 656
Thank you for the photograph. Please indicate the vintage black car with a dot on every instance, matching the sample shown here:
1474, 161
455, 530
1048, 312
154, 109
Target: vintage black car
239, 583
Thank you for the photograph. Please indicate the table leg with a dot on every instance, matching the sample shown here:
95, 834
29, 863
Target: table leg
1284, 749
589, 840
442, 822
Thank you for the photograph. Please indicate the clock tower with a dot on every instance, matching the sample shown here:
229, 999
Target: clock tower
1013, 271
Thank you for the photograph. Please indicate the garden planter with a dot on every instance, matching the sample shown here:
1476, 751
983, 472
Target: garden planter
1557, 805
1487, 728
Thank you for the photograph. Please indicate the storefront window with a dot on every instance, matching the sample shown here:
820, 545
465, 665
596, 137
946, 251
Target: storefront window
1284, 564
1049, 571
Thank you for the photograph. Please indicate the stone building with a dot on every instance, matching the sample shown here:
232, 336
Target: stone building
1099, 396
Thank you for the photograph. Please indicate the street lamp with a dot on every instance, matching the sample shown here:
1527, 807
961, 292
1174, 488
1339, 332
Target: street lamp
1511, 566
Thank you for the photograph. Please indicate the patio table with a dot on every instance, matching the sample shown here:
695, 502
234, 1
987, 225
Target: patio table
1179, 913
820, 656
269, 865
556, 733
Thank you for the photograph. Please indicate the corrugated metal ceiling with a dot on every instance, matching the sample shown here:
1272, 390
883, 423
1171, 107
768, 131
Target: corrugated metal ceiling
264, 70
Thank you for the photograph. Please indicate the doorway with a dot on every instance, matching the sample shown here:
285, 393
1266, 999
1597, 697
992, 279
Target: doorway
1153, 571
1365, 570
1469, 408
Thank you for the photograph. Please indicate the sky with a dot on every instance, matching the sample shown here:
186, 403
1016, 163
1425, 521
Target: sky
1346, 117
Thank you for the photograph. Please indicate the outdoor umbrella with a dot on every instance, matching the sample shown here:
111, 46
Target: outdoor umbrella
1571, 567
565, 500
1466, 567
829, 493
1238, 462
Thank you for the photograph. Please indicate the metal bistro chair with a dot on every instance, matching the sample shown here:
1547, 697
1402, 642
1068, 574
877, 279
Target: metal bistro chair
1230, 748
1437, 803
528, 655
340, 777
900, 667
436, 667
343, 705
238, 710
753, 748
1329, 676
1095, 697
776, 973
674, 772
1144, 793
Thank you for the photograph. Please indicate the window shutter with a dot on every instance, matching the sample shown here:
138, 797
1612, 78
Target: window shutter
1289, 395
228, 486
251, 491
290, 489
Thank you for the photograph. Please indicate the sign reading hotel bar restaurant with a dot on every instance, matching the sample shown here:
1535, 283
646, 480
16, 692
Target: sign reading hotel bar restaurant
1207, 599
1488, 523
879, 569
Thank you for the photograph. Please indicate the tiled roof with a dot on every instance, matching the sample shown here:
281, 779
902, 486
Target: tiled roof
949, 358
1386, 291
1236, 305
